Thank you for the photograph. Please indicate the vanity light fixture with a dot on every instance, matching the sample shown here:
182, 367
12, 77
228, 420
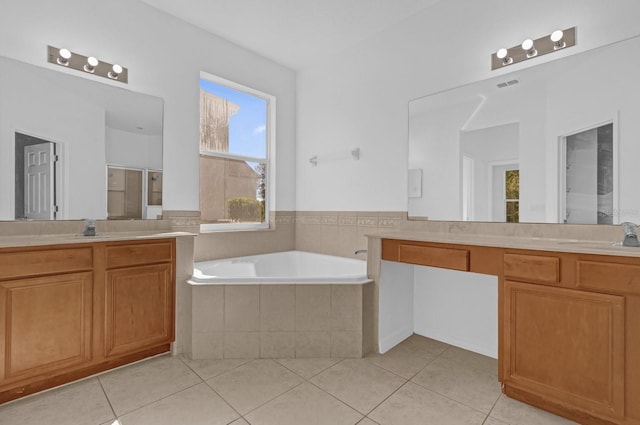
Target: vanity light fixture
531, 48
502, 55
63, 57
115, 72
87, 64
557, 38
91, 64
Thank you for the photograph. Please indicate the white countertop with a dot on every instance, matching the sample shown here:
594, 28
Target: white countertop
517, 242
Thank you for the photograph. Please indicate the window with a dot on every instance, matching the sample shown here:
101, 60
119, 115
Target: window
236, 131
512, 195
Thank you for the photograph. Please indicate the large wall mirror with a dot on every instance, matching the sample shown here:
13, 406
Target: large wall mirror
554, 143
73, 148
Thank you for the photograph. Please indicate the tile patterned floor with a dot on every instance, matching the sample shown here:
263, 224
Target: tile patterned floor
420, 381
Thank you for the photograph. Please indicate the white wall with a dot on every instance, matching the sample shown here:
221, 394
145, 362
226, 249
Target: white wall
133, 150
577, 104
395, 312
458, 308
488, 147
359, 98
164, 56
31, 105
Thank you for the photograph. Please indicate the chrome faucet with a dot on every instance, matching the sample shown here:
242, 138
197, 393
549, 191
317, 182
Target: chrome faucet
360, 251
630, 234
89, 227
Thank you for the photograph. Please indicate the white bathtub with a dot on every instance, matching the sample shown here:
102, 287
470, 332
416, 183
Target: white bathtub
289, 267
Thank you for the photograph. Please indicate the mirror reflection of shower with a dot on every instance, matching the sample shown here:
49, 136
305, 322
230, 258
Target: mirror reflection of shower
588, 169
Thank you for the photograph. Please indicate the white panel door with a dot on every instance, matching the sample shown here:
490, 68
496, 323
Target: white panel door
39, 199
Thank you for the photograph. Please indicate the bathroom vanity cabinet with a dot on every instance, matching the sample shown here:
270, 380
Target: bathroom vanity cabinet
72, 310
569, 324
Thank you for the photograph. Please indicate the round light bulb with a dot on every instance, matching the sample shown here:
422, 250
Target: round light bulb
502, 53
556, 39
91, 64
117, 69
557, 36
528, 47
63, 57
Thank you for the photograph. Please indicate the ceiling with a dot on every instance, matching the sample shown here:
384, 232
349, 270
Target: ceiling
294, 33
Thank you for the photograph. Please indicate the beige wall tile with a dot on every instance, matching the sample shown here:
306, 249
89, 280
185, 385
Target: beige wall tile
184, 304
346, 307
329, 239
313, 344
24, 228
347, 241
369, 319
241, 307
361, 238
308, 237
313, 307
241, 345
330, 218
348, 218
215, 245
208, 308
207, 345
277, 345
391, 220
277, 307
346, 344
367, 219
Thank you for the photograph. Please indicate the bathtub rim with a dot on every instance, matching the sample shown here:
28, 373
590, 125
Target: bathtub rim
349, 279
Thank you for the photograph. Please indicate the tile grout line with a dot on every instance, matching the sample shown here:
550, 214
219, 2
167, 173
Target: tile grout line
491, 410
219, 374
314, 375
225, 401
271, 399
107, 397
154, 401
160, 399
364, 415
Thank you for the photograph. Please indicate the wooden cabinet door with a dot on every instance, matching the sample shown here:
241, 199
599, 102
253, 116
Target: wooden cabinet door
45, 325
139, 303
566, 346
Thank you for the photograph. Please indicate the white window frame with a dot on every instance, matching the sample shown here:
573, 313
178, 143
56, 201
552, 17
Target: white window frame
270, 187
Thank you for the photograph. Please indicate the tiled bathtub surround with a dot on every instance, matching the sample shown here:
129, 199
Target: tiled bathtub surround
341, 232
280, 321
216, 245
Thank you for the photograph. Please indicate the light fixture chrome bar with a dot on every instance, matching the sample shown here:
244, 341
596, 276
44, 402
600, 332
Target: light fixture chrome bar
540, 46
87, 64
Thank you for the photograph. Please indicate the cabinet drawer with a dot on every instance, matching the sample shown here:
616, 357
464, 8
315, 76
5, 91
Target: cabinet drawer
448, 258
41, 262
139, 254
534, 268
609, 276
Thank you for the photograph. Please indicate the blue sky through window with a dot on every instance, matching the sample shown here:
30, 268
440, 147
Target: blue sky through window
247, 128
